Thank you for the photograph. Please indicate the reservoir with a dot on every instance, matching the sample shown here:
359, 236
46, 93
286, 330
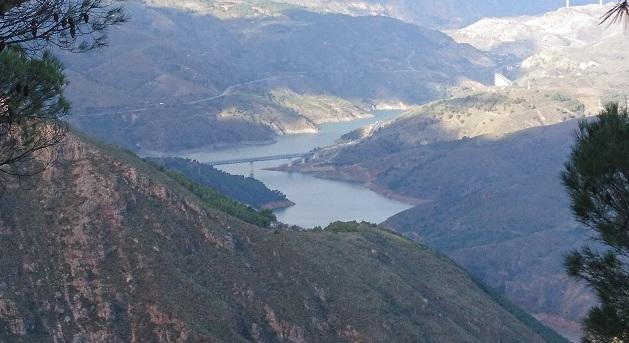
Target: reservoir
317, 201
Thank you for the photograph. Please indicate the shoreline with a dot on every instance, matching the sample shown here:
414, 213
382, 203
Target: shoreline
366, 179
278, 205
219, 147
384, 191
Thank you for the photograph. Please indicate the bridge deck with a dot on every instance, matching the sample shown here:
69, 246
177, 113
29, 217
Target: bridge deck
259, 159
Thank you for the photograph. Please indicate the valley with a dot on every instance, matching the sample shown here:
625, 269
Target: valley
492, 202
414, 201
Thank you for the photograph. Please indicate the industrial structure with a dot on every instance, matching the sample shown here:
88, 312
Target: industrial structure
502, 81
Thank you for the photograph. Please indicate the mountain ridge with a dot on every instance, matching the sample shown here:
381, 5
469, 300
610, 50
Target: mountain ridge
448, 14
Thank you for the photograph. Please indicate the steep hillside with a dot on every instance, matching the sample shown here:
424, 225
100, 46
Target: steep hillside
244, 189
175, 80
105, 248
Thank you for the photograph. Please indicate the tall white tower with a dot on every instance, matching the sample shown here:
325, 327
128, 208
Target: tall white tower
567, 3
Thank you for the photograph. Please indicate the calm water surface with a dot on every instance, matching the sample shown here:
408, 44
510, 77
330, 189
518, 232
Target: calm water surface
318, 201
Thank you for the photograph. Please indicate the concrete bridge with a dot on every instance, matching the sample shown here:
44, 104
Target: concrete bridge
306, 155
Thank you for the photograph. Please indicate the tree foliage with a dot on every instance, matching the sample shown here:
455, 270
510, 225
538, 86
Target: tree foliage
31, 110
76, 25
214, 199
32, 105
597, 178
243, 189
618, 14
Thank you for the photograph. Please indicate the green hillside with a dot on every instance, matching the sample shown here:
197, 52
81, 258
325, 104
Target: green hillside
246, 190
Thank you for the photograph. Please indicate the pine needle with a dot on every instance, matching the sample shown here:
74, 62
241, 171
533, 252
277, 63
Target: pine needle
618, 13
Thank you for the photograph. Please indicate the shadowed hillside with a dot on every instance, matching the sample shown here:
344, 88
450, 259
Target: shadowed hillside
501, 212
494, 204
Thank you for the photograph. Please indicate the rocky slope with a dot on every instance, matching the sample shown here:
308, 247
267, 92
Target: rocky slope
176, 80
498, 208
105, 248
576, 26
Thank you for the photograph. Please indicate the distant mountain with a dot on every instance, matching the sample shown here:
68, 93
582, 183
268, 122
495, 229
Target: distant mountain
177, 80
566, 49
246, 190
527, 35
442, 14
106, 248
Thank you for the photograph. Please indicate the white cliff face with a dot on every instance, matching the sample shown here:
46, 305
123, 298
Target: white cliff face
566, 27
